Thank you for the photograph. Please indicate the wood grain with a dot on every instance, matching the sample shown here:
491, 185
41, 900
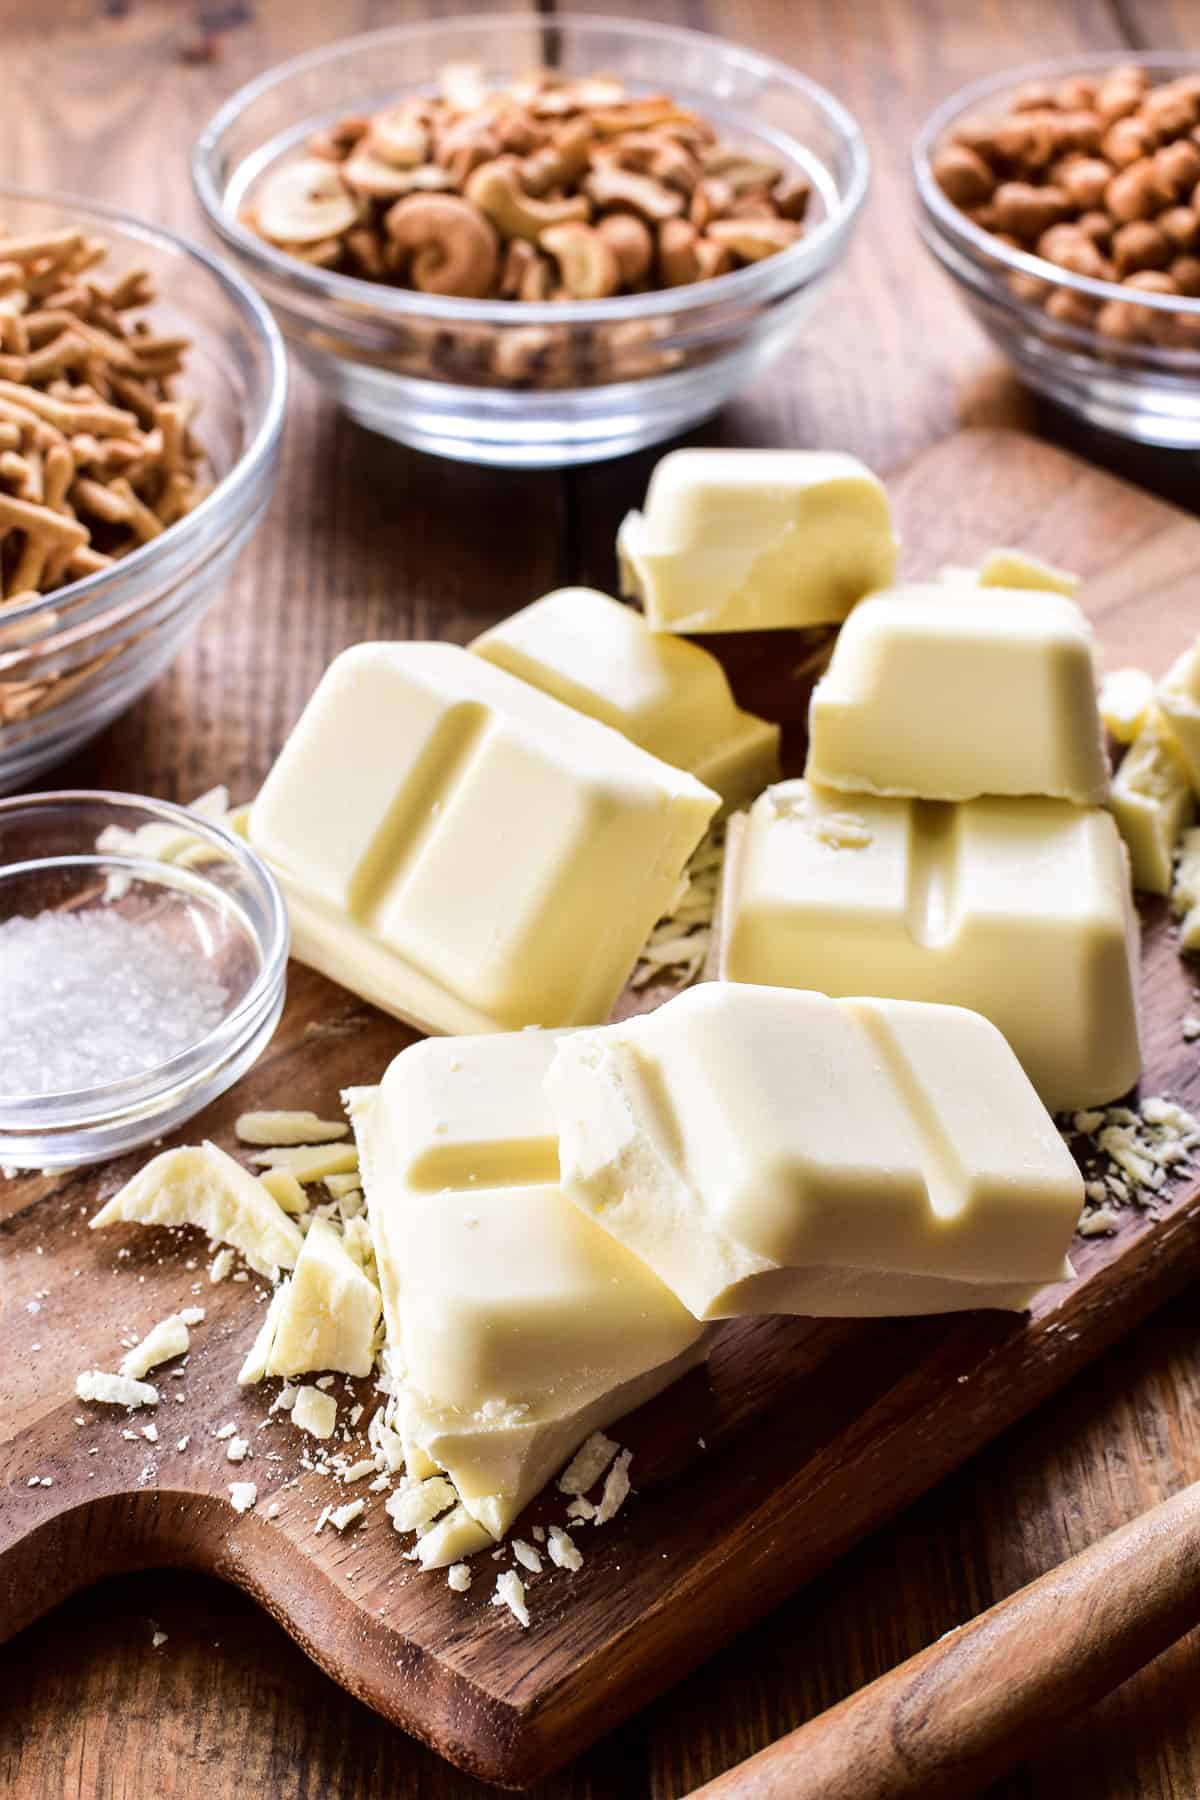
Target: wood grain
796, 1439
102, 103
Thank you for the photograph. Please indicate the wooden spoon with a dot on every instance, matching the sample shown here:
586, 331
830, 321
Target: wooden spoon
957, 1715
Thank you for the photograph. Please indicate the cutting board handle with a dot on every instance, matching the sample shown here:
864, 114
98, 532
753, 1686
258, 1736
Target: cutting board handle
960, 1713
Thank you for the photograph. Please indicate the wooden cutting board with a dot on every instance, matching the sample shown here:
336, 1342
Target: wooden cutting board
751, 1475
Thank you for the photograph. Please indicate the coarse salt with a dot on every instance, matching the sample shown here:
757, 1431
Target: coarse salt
100, 997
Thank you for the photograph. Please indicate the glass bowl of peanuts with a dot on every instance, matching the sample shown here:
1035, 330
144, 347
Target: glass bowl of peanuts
533, 241
142, 389
1064, 200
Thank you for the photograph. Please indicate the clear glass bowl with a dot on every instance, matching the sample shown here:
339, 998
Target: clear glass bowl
74, 658
612, 374
216, 900
1144, 386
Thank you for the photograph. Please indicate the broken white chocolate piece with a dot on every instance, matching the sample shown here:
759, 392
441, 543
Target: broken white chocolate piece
114, 1390
1020, 569
201, 1185
669, 696
278, 1128
254, 1367
766, 1150
747, 540
1178, 698
1185, 891
520, 1326
1125, 695
168, 1339
1017, 909
285, 1190
466, 852
455, 1535
310, 1162
328, 1317
314, 1412
930, 697
1152, 802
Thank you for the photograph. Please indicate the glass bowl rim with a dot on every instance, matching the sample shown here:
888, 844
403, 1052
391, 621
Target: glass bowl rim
953, 223
228, 494
401, 304
58, 1109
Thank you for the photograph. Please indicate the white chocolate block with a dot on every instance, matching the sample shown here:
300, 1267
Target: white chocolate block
1017, 909
1178, 698
748, 540
465, 851
669, 696
945, 697
1152, 802
766, 1150
519, 1325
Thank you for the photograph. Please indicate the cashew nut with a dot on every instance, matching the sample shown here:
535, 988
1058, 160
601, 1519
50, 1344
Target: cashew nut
374, 179
713, 258
630, 240
526, 275
450, 247
496, 190
752, 239
400, 136
654, 153
609, 185
678, 263
586, 261
739, 170
560, 162
305, 202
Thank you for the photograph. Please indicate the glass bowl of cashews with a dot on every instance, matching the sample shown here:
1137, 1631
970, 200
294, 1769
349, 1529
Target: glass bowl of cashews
533, 241
1064, 200
142, 389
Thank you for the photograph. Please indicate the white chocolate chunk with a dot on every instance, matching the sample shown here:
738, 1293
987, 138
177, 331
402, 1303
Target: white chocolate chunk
415, 1506
1178, 698
669, 696
1152, 802
564, 1553
329, 1312
929, 697
343, 1516
421, 779
242, 1495
1185, 901
280, 1128
1017, 909
167, 1339
587, 1465
510, 1592
1020, 569
310, 1162
767, 1150
454, 1536
521, 1326
1125, 695
747, 540
458, 1577
114, 1390
285, 1190
203, 1186
315, 1412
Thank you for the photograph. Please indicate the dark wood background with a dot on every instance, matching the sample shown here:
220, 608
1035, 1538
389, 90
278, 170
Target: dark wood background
365, 538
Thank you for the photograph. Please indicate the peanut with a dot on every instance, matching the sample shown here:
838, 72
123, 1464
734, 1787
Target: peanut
962, 175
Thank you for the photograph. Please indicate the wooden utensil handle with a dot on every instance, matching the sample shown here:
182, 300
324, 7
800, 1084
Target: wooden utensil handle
959, 1713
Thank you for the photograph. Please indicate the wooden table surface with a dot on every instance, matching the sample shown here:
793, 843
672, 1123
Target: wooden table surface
366, 539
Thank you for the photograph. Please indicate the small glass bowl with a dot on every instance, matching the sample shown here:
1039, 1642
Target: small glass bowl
76, 657
224, 905
512, 382
1144, 384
